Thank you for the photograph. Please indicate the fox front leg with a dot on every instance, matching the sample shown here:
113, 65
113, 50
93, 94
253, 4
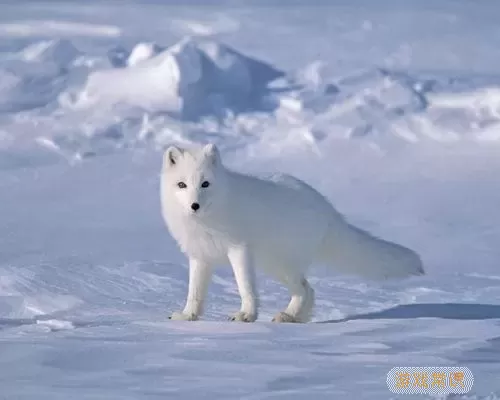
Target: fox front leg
200, 274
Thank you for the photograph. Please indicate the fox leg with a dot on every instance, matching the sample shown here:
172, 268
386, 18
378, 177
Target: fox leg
244, 274
200, 274
301, 303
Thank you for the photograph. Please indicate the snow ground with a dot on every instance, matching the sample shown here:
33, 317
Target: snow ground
392, 111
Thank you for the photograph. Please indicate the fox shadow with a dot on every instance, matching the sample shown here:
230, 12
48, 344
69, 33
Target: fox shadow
457, 311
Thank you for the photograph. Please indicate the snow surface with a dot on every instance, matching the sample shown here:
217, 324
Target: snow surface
391, 109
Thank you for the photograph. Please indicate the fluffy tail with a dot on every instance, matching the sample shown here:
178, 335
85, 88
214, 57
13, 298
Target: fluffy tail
351, 250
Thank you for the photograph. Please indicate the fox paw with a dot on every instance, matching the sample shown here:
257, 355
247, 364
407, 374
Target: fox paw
180, 316
284, 317
243, 317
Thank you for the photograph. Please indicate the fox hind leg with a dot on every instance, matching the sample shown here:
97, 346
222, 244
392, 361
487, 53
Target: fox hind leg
301, 305
244, 272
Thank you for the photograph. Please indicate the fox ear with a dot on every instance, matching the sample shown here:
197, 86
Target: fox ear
172, 155
212, 152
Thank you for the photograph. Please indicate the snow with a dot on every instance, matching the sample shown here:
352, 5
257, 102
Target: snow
187, 80
395, 120
61, 28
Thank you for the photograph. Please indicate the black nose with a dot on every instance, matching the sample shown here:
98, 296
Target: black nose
195, 206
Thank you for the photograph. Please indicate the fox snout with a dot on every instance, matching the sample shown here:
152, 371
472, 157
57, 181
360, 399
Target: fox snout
195, 206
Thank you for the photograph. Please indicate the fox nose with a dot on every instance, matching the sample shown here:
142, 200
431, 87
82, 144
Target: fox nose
195, 206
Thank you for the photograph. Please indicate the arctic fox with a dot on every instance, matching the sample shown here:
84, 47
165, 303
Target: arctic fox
281, 225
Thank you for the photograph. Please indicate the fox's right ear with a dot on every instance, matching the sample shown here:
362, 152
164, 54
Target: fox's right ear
172, 156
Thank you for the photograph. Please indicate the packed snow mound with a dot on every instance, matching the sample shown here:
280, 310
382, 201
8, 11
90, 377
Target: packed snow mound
142, 52
35, 76
29, 86
59, 51
365, 104
192, 78
477, 112
66, 102
385, 106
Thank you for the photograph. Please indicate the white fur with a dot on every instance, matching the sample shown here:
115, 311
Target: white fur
281, 225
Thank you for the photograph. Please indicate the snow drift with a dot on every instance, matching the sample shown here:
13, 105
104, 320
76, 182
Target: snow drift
76, 105
187, 80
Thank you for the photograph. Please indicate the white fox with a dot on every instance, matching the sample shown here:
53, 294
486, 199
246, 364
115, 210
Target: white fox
280, 224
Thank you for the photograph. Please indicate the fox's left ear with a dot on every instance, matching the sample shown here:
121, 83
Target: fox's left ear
212, 152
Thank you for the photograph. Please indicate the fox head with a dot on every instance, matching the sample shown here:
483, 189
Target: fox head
192, 178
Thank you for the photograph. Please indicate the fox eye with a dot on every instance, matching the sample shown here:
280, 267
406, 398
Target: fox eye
182, 185
205, 184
